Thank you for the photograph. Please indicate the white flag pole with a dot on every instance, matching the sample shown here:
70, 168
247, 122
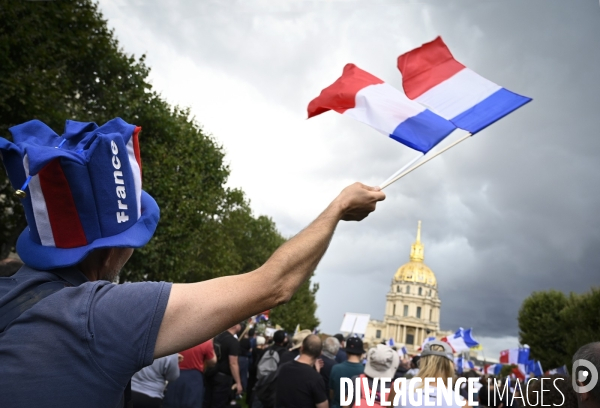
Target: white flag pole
406, 166
399, 176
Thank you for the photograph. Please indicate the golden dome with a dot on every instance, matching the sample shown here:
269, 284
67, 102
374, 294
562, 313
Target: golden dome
415, 270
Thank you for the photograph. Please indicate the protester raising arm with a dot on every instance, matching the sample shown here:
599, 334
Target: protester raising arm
197, 311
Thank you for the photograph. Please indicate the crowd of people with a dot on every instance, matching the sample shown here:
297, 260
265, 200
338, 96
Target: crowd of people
307, 371
71, 337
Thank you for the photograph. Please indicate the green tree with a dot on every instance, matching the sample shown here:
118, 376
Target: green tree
541, 327
581, 317
59, 60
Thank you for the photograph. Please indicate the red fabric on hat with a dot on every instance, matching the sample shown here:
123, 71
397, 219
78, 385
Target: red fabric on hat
64, 218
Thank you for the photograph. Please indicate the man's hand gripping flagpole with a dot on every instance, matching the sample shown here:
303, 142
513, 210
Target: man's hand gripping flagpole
402, 172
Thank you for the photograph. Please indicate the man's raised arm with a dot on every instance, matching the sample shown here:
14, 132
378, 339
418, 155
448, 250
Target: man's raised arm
198, 311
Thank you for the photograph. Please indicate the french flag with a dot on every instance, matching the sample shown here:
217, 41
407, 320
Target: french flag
432, 77
515, 356
560, 370
463, 365
493, 369
461, 341
366, 98
535, 368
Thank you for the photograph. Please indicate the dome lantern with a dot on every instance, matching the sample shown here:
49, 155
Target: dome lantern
415, 270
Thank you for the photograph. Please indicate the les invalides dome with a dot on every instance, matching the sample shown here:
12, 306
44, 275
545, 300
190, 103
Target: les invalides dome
412, 311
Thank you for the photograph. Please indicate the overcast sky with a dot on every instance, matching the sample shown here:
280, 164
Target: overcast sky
511, 211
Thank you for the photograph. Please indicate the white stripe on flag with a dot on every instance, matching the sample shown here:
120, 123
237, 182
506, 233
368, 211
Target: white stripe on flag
513, 356
137, 176
458, 344
40, 211
383, 107
458, 93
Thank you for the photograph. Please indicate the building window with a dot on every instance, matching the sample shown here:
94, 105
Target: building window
418, 312
378, 334
398, 289
407, 288
394, 310
410, 339
429, 292
431, 315
405, 310
420, 291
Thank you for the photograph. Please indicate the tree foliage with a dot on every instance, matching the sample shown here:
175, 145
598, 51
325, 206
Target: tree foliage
59, 60
555, 326
581, 318
539, 327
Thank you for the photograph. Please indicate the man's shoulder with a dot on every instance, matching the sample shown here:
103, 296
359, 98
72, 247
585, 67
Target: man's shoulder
347, 368
299, 370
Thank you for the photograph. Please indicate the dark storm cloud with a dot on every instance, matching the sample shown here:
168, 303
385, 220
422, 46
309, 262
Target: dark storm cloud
513, 210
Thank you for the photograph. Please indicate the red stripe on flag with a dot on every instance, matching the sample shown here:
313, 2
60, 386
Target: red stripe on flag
518, 374
341, 95
136, 147
427, 66
64, 218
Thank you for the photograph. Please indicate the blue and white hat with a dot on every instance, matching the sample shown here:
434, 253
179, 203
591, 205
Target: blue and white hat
81, 190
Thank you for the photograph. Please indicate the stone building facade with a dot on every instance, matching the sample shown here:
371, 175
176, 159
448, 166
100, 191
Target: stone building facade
412, 311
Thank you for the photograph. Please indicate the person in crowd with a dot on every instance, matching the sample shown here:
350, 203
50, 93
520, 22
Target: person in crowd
267, 370
341, 355
280, 341
299, 384
414, 367
257, 353
297, 340
252, 338
99, 334
227, 349
331, 346
188, 390
244, 357
437, 361
590, 353
486, 393
348, 369
403, 368
557, 392
464, 388
382, 362
148, 384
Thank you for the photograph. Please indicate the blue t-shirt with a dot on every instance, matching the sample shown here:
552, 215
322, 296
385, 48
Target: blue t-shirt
80, 346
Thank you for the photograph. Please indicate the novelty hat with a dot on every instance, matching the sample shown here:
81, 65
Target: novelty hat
81, 191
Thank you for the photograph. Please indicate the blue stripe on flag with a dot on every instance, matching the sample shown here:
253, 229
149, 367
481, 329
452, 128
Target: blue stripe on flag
468, 339
488, 111
423, 132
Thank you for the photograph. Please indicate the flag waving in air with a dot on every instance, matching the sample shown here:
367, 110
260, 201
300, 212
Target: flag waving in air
461, 340
368, 99
432, 77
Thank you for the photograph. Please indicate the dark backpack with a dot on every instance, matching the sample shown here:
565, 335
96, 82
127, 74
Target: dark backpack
210, 372
267, 373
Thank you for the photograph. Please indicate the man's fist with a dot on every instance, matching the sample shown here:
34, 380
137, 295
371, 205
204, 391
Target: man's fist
358, 200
